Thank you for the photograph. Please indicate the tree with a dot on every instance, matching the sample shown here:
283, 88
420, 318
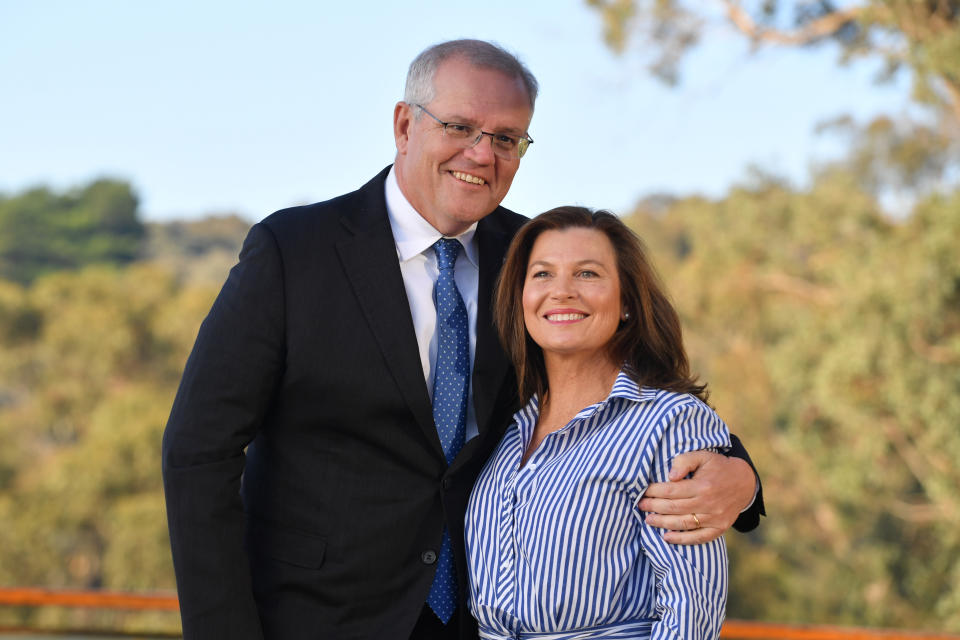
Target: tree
830, 331
91, 360
42, 231
831, 339
922, 36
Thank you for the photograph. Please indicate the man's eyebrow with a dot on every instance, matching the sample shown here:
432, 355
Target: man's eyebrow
510, 131
458, 119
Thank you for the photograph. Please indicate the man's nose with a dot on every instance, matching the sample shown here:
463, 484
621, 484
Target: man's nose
482, 151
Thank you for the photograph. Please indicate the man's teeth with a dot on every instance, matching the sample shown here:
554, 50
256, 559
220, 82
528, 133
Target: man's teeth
466, 177
565, 317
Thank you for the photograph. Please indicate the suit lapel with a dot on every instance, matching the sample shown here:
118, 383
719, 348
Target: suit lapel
490, 363
369, 258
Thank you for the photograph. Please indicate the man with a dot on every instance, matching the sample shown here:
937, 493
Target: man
322, 376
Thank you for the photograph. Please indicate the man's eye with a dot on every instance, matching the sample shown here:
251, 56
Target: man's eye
459, 130
505, 141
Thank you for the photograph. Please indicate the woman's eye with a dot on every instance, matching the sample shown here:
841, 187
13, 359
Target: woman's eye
586, 273
539, 274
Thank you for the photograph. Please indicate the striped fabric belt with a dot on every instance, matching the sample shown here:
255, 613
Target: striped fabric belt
616, 631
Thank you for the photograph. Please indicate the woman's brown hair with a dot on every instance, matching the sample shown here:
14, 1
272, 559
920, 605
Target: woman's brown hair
649, 342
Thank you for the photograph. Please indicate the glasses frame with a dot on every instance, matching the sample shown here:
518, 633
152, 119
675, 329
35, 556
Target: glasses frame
521, 148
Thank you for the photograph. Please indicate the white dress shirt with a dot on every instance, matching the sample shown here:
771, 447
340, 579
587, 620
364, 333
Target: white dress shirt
414, 238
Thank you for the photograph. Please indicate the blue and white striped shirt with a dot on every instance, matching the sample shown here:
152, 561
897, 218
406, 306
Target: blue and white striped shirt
558, 550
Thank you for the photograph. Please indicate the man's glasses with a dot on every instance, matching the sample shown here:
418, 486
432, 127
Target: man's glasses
466, 136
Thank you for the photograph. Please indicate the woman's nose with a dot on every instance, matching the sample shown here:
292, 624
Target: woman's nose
562, 289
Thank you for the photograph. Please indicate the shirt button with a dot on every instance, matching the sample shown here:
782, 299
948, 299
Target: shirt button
428, 557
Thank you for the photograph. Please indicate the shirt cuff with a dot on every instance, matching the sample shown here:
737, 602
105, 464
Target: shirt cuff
756, 490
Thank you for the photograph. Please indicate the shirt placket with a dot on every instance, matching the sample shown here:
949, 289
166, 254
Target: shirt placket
522, 488
507, 567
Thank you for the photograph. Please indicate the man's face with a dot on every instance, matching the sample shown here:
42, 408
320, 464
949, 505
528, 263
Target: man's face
449, 186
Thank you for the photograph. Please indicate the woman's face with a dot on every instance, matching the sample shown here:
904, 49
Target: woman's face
571, 294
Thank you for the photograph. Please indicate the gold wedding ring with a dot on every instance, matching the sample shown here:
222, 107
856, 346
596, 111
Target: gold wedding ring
697, 520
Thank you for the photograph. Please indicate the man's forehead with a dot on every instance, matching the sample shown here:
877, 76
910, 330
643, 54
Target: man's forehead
473, 94
460, 72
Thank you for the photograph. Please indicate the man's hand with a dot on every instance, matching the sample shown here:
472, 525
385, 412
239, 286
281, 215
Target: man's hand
701, 508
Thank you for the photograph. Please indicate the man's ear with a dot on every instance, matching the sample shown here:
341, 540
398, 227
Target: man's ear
402, 121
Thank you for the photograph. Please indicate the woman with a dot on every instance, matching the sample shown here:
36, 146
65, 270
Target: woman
557, 549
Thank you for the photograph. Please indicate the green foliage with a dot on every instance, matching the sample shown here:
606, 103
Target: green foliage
829, 332
91, 360
197, 250
42, 232
617, 20
830, 336
898, 157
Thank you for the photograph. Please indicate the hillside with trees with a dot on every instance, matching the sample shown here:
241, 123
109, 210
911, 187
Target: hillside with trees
93, 343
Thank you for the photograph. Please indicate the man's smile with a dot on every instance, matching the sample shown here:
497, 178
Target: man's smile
468, 177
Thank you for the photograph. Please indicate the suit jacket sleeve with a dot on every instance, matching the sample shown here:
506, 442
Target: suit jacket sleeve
225, 392
749, 519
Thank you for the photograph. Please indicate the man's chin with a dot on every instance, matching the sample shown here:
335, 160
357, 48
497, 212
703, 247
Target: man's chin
473, 212
470, 217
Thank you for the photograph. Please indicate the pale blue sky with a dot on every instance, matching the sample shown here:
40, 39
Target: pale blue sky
247, 107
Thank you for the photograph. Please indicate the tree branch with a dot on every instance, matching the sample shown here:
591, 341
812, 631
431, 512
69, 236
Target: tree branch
952, 90
917, 513
822, 27
919, 466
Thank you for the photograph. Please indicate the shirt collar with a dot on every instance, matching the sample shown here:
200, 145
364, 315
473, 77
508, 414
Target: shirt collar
412, 233
623, 387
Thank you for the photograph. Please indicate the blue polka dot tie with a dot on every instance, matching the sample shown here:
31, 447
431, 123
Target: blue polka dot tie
450, 386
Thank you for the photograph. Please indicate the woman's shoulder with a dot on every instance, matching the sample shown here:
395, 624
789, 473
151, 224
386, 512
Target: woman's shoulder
687, 417
673, 399
672, 406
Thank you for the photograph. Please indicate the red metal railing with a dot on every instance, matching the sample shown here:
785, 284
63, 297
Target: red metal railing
743, 630
732, 629
26, 597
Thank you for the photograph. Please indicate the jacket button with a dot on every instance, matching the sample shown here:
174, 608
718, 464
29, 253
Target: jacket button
447, 482
428, 557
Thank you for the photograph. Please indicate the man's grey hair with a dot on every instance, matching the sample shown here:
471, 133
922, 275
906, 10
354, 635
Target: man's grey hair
479, 53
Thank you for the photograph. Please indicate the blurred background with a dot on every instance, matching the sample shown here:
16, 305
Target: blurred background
793, 166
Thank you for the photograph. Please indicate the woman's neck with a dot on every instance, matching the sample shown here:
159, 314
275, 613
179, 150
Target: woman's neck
572, 384
575, 383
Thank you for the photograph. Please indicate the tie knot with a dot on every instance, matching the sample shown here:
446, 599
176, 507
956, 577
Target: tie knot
446, 250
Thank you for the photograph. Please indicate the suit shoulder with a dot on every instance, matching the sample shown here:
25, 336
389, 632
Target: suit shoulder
294, 219
506, 220
365, 204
